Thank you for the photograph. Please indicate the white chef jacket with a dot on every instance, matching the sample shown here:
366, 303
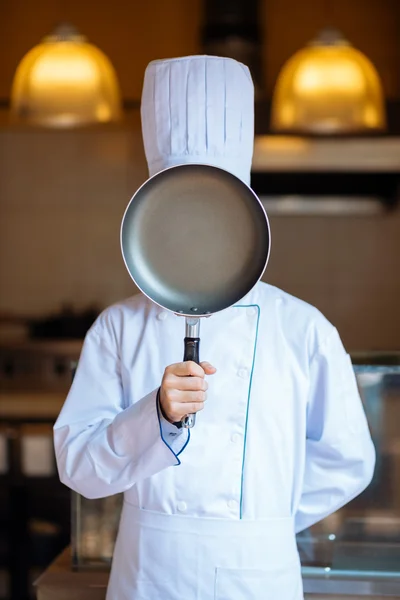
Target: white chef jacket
283, 441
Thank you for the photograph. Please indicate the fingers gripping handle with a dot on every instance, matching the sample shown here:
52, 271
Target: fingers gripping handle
192, 352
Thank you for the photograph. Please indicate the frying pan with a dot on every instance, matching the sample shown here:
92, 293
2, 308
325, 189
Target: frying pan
195, 240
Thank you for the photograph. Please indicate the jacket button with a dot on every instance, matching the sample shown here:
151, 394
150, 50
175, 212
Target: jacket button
251, 311
232, 504
162, 316
243, 373
182, 506
236, 437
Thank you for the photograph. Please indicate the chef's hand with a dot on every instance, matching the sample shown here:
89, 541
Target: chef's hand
183, 389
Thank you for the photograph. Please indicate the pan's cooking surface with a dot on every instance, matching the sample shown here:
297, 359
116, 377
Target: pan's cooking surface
195, 237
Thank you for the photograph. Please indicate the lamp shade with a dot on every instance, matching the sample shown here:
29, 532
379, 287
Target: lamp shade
328, 87
65, 81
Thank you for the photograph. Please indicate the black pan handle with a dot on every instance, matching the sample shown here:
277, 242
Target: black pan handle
192, 348
192, 352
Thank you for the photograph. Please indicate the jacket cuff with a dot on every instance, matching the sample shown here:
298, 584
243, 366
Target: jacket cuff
174, 437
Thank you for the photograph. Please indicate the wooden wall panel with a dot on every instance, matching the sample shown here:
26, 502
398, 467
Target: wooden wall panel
133, 33
130, 33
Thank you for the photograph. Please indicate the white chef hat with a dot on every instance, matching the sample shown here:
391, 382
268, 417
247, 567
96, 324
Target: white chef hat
198, 109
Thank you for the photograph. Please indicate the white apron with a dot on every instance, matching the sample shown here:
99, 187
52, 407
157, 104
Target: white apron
166, 557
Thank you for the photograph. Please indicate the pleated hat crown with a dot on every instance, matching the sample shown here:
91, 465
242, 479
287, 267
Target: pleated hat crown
198, 109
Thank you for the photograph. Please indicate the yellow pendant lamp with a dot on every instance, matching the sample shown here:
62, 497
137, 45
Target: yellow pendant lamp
64, 82
328, 87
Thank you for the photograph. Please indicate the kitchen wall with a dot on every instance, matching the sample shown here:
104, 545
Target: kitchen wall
62, 197
349, 267
62, 194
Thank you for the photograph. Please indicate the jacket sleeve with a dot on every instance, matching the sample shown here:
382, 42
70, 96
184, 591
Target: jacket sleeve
340, 456
104, 444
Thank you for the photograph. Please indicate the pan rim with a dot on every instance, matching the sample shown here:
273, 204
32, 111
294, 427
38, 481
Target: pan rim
180, 166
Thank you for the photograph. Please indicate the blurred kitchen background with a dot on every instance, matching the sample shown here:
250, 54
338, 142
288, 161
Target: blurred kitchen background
326, 166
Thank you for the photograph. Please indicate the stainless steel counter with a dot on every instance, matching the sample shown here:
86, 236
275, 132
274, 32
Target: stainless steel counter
347, 584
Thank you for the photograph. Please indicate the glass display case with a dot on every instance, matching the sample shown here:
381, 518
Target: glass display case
359, 542
94, 530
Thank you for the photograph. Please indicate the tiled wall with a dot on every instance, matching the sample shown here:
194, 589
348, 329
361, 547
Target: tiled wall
349, 267
62, 196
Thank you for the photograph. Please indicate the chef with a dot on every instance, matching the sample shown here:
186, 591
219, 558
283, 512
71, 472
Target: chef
281, 440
